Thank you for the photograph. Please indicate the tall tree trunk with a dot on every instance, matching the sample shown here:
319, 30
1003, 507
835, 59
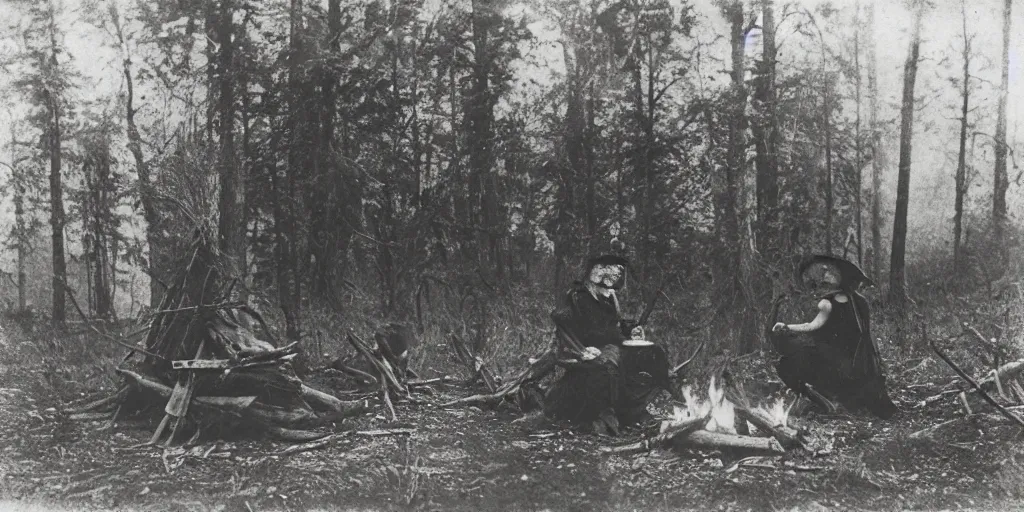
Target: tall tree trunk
291, 188
575, 133
826, 116
231, 227
766, 134
877, 153
897, 276
212, 41
57, 218
20, 228
1001, 181
730, 262
147, 196
325, 245
858, 146
961, 163
482, 193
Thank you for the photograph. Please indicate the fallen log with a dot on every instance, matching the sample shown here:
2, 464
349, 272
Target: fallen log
786, 436
245, 407
683, 428
325, 401
232, 403
704, 439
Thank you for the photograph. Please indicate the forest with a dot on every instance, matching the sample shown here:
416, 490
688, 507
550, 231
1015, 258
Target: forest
450, 166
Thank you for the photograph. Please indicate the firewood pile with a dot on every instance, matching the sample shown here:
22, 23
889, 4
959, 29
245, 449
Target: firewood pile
210, 371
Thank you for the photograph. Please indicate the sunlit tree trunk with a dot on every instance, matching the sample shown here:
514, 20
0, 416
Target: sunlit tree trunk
961, 163
897, 277
877, 153
57, 216
1001, 181
145, 182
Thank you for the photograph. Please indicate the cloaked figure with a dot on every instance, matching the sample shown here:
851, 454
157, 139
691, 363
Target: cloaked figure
834, 354
611, 373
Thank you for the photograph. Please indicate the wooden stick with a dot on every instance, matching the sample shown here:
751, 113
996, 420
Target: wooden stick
85, 319
1005, 372
102, 403
382, 366
705, 439
999, 386
990, 344
962, 398
387, 432
366, 378
387, 400
649, 443
314, 445
427, 382
679, 368
474, 363
988, 398
928, 431
540, 367
1018, 391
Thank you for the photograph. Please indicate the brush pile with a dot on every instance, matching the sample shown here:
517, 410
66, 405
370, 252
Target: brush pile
210, 371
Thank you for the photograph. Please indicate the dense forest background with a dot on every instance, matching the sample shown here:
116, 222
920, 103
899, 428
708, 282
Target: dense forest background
452, 163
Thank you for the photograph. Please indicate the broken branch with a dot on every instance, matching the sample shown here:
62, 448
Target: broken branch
988, 398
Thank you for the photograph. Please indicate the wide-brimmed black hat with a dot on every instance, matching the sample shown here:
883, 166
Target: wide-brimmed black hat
608, 259
849, 273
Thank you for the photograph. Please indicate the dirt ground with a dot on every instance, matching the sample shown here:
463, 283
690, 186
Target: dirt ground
476, 459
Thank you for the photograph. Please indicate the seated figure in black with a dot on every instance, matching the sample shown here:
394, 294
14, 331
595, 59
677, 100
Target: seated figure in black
834, 353
608, 380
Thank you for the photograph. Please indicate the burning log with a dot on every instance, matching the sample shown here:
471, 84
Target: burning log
705, 439
786, 436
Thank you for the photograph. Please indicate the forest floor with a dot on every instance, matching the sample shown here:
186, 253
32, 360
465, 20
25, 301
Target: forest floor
481, 459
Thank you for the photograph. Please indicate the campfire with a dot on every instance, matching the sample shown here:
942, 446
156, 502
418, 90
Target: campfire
722, 415
724, 422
